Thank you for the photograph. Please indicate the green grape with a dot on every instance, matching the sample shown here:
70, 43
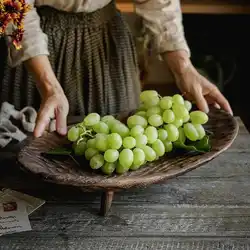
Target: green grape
166, 102
155, 110
182, 136
120, 169
150, 154
198, 117
141, 140
136, 120
151, 133
108, 168
154, 101
101, 142
201, 131
158, 147
101, 127
186, 119
96, 161
111, 155
109, 120
129, 142
139, 157
136, 130
162, 134
173, 132
168, 146
120, 129
155, 120
177, 122
178, 99
90, 152
141, 108
180, 111
73, 134
91, 143
188, 105
79, 148
147, 94
168, 116
114, 141
81, 128
126, 158
134, 167
91, 119
142, 113
190, 132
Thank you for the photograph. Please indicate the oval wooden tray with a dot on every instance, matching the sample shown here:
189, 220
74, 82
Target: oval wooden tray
67, 172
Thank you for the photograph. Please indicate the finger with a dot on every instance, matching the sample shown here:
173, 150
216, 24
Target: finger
61, 121
200, 101
210, 101
221, 100
216, 105
42, 122
187, 96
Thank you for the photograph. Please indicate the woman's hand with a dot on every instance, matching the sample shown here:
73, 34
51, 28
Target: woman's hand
54, 105
193, 85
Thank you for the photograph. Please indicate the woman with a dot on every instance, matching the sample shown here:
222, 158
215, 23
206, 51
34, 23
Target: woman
82, 58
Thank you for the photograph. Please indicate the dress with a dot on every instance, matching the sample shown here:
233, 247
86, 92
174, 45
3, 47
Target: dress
92, 53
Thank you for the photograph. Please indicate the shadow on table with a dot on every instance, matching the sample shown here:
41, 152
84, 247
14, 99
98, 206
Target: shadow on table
13, 177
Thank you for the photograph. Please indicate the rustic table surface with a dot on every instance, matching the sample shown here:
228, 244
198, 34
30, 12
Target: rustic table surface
208, 208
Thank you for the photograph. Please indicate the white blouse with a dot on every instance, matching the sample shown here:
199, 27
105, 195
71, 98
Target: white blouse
162, 20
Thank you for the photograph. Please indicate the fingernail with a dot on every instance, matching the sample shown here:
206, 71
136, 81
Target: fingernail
62, 131
36, 135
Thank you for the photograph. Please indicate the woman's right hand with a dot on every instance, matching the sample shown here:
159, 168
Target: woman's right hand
54, 106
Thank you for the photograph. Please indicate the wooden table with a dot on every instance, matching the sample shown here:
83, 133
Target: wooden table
208, 208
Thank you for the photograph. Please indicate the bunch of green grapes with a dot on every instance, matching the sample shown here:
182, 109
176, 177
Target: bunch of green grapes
112, 146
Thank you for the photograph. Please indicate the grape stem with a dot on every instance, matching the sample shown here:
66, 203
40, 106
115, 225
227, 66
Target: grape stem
79, 140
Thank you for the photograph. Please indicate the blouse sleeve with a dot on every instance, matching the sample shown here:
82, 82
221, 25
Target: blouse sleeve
34, 41
162, 20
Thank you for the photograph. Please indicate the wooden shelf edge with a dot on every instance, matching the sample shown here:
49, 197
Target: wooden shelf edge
216, 9
199, 8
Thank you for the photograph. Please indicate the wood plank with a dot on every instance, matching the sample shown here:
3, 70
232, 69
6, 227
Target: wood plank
141, 221
215, 7
61, 241
200, 7
227, 166
197, 191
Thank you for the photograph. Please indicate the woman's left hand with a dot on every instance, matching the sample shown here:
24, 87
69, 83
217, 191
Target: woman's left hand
193, 85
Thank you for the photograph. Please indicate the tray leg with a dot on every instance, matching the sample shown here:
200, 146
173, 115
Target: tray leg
106, 201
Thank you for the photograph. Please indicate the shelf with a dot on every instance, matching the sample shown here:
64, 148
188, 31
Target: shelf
201, 6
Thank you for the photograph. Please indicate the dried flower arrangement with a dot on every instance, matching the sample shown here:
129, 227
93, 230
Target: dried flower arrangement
13, 12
